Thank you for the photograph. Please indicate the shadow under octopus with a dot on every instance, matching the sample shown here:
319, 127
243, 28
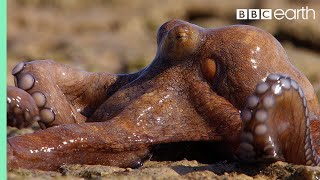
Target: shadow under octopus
233, 86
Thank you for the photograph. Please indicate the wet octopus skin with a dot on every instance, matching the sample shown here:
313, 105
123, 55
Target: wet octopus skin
194, 90
22, 109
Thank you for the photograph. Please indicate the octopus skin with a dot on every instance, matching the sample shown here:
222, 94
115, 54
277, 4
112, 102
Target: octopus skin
22, 109
232, 85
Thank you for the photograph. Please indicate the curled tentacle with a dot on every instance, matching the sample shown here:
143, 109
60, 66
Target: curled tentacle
277, 124
35, 79
64, 94
21, 108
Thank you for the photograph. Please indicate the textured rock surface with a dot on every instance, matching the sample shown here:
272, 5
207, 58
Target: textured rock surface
176, 170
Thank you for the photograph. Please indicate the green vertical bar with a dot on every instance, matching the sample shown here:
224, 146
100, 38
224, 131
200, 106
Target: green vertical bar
3, 88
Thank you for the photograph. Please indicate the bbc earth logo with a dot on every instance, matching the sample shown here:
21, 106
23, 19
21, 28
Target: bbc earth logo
303, 13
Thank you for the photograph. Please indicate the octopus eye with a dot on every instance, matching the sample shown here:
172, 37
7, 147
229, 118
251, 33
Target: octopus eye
209, 69
179, 42
182, 36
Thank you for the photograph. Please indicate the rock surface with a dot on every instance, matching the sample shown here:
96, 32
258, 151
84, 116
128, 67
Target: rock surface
176, 170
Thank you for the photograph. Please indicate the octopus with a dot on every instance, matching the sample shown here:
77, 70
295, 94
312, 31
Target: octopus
233, 86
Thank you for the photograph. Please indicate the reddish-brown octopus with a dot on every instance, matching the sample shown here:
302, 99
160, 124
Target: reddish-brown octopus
232, 85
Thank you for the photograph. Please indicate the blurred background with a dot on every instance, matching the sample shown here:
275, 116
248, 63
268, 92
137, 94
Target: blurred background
120, 35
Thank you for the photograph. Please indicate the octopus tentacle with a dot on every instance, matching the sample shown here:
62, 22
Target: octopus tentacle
39, 80
97, 143
88, 143
274, 118
21, 108
63, 94
126, 143
313, 141
228, 117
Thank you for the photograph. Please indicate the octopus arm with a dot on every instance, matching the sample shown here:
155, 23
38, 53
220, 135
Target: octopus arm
64, 94
219, 113
278, 124
87, 143
21, 108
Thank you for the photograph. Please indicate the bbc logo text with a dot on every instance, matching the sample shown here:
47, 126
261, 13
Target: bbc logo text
279, 14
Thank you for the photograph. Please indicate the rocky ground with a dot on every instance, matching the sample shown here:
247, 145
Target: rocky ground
183, 169
120, 36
